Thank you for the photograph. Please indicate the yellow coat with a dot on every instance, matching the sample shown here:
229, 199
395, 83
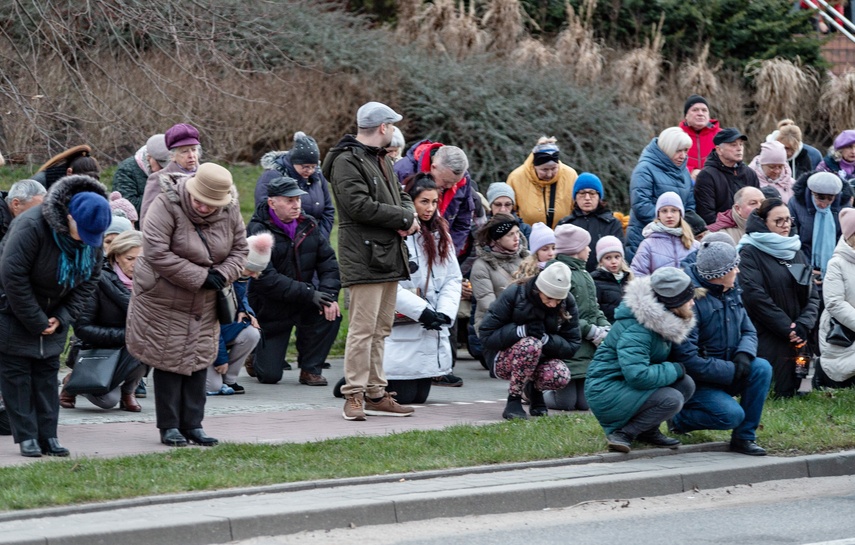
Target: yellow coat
532, 194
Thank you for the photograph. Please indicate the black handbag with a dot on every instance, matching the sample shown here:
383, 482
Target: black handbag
94, 371
226, 298
226, 305
839, 335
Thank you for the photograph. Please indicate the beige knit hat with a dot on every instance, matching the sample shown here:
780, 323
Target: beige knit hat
211, 185
554, 281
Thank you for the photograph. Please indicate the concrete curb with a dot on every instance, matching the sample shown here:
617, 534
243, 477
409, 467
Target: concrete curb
354, 481
201, 518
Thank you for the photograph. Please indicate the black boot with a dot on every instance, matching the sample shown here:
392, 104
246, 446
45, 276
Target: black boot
657, 438
51, 447
172, 437
514, 409
538, 404
30, 448
199, 437
619, 441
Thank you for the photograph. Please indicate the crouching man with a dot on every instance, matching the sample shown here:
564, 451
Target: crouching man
720, 354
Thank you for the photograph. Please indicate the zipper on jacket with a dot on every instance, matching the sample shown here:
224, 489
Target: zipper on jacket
42, 346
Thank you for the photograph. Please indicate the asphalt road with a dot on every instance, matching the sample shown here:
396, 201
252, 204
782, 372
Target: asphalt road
801, 511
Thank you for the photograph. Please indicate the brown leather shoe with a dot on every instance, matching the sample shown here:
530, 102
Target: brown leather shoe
310, 379
129, 403
66, 400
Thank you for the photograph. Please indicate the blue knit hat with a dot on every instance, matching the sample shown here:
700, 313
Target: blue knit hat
92, 214
586, 180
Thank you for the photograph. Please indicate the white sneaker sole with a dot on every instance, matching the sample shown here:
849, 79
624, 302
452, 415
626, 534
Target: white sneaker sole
357, 418
384, 413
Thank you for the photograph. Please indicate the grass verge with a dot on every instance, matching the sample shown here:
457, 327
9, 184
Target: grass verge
820, 422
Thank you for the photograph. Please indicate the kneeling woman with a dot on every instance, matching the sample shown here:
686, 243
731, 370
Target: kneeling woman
102, 324
529, 330
418, 351
631, 386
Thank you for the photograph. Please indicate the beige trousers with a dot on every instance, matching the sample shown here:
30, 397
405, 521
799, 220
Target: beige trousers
372, 311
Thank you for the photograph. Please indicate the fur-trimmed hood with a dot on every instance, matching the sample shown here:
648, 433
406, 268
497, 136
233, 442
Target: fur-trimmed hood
653, 315
271, 159
55, 205
495, 260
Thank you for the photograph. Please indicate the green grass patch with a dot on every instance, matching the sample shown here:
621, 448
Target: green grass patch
820, 422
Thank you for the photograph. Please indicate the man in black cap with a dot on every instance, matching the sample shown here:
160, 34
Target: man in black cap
701, 129
720, 354
723, 175
284, 297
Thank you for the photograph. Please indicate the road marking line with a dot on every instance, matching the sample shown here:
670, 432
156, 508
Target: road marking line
461, 403
848, 541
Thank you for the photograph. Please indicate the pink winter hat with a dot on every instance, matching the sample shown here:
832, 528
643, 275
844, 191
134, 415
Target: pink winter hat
847, 222
260, 248
123, 205
571, 240
773, 153
609, 244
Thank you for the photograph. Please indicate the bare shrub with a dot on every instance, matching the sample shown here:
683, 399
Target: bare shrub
531, 52
838, 101
782, 89
576, 47
503, 21
409, 15
698, 78
637, 73
442, 26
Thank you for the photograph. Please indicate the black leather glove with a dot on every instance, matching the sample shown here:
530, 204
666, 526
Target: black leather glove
443, 318
741, 365
214, 281
321, 299
802, 332
534, 329
430, 320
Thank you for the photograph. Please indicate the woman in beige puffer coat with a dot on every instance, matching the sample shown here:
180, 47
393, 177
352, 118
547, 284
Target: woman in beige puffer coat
194, 244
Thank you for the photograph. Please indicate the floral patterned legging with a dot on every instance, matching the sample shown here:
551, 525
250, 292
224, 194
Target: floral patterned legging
521, 363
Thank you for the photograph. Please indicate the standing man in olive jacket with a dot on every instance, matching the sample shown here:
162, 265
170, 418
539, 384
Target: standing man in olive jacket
375, 215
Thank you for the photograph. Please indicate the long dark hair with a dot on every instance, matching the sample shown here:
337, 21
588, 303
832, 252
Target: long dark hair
437, 252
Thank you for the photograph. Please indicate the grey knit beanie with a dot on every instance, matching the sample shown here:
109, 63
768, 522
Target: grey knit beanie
672, 287
716, 259
554, 280
500, 189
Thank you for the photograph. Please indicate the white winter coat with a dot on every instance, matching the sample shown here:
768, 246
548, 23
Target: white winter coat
838, 290
413, 352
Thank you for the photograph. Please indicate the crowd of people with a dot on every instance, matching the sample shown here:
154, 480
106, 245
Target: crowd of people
722, 281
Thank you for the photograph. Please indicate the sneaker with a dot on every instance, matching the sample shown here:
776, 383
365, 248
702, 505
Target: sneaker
140, 392
448, 380
326, 365
237, 388
386, 406
225, 390
353, 408
311, 379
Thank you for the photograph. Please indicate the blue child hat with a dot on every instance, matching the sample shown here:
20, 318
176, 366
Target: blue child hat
92, 214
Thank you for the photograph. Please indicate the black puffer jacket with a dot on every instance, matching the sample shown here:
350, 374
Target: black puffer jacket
717, 184
609, 291
519, 304
599, 223
285, 289
5, 214
29, 260
102, 324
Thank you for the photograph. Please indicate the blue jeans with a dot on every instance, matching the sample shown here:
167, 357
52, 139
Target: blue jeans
715, 409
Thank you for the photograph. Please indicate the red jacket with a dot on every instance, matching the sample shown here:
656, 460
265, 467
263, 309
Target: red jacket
702, 143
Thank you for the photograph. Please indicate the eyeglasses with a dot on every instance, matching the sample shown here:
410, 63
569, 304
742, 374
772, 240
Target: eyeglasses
780, 222
590, 193
823, 196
